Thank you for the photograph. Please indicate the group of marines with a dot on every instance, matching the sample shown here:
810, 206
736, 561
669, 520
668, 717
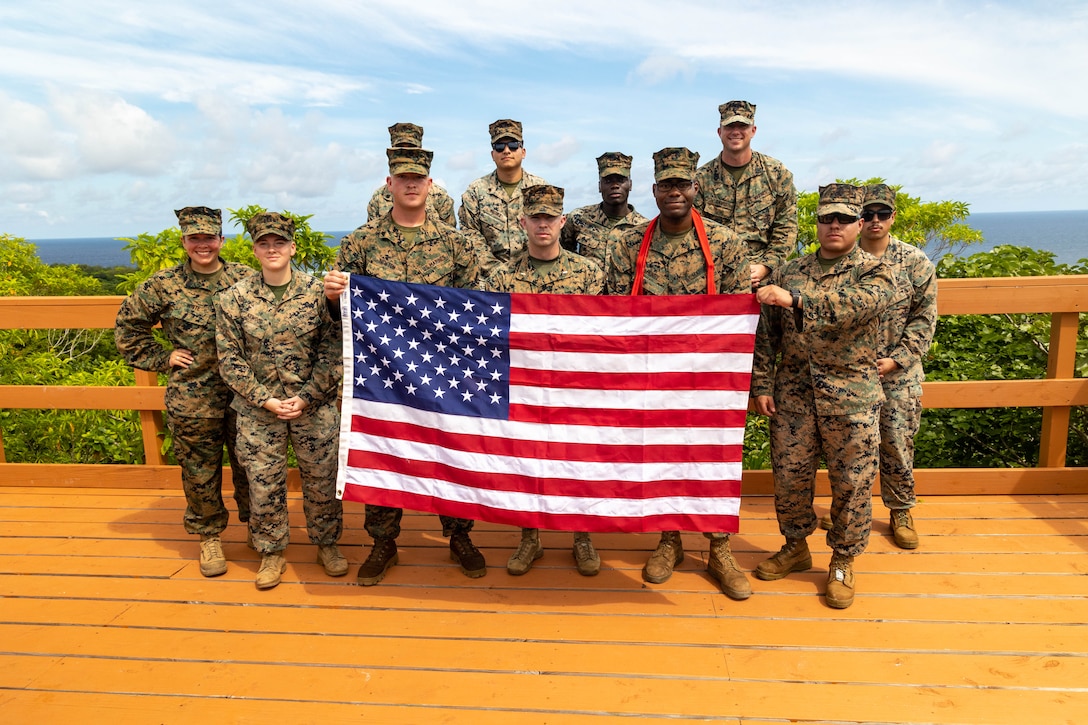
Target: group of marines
837, 365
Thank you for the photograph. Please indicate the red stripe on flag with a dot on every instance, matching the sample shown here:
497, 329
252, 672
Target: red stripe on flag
628, 418
642, 306
490, 481
631, 344
630, 381
546, 450
559, 522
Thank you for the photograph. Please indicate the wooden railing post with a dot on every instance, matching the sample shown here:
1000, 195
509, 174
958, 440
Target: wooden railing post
1061, 362
151, 424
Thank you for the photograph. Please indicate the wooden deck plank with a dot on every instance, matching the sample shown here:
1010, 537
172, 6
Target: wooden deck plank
102, 606
541, 692
909, 636
140, 709
615, 550
789, 599
511, 656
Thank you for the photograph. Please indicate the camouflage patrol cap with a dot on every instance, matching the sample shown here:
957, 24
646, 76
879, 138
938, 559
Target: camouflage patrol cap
200, 220
271, 222
840, 199
738, 112
406, 135
542, 199
409, 161
614, 162
879, 194
675, 163
505, 128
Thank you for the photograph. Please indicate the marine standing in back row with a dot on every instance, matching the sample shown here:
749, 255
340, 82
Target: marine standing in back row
587, 228
491, 205
749, 192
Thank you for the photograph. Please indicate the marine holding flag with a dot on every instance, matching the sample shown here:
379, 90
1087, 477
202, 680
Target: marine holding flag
680, 253
545, 267
570, 412
407, 244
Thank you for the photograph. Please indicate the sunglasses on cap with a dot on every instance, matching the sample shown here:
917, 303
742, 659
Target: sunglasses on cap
869, 215
836, 217
500, 145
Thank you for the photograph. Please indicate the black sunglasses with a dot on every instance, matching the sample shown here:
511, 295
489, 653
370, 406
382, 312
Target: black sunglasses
840, 218
881, 215
500, 145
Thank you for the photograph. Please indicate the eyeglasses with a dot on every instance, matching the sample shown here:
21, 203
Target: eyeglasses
840, 218
499, 146
671, 184
881, 215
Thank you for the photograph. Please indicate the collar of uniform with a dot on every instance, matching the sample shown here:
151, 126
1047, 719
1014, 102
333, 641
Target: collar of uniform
754, 167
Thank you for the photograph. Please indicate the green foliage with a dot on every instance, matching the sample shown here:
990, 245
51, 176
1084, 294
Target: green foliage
151, 253
22, 274
54, 357
312, 254
757, 444
935, 226
996, 347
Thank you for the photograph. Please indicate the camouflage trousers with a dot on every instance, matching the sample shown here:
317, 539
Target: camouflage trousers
198, 448
383, 522
899, 421
262, 448
849, 444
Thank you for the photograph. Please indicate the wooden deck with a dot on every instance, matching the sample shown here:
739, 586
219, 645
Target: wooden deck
105, 617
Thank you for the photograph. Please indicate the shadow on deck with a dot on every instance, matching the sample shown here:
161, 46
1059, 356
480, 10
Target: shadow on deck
104, 615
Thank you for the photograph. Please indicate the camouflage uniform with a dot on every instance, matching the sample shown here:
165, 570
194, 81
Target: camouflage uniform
571, 275
825, 387
760, 207
440, 255
439, 204
677, 266
588, 230
197, 400
489, 218
271, 349
906, 334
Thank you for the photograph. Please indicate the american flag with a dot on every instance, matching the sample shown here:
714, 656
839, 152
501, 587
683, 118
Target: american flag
567, 412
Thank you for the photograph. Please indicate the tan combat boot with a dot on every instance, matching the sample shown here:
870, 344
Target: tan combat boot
825, 522
334, 562
723, 567
903, 529
272, 567
794, 556
212, 561
840, 581
529, 550
669, 553
585, 555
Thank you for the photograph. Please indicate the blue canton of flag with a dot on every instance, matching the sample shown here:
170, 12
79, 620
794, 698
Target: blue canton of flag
446, 352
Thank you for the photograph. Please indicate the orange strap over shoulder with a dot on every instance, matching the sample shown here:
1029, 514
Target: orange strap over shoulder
644, 252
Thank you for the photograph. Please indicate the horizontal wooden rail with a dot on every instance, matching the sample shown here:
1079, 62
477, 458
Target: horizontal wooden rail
1063, 298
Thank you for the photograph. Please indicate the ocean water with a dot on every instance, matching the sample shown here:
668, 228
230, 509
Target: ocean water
1065, 233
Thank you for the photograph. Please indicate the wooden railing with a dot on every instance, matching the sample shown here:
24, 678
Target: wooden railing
1063, 298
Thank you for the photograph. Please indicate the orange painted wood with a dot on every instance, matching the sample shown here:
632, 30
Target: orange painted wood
102, 607
997, 295
52, 313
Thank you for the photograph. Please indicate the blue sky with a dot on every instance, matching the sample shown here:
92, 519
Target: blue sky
113, 113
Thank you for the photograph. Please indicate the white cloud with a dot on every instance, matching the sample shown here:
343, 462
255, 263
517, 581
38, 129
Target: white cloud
113, 135
553, 154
